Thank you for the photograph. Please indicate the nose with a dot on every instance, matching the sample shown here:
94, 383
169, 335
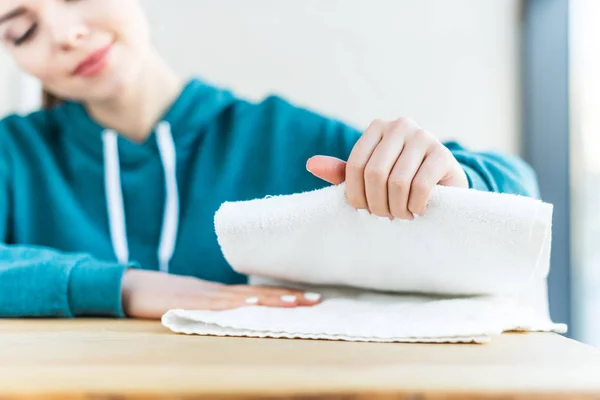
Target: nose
67, 30
72, 37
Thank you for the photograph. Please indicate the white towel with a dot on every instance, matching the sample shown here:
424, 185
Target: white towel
492, 248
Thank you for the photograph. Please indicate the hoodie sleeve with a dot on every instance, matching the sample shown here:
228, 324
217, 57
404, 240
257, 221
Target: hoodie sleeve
306, 132
496, 171
43, 282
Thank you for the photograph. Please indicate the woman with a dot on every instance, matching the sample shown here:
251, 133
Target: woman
99, 223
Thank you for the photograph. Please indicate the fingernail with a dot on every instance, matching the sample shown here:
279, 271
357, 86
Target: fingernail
312, 297
308, 162
289, 298
363, 212
252, 300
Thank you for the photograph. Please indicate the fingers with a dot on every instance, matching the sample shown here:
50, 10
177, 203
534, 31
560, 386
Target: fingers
392, 169
274, 297
433, 169
264, 290
330, 169
402, 175
235, 300
283, 301
380, 165
357, 162
149, 294
456, 175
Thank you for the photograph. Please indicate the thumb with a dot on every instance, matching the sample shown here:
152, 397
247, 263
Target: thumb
330, 169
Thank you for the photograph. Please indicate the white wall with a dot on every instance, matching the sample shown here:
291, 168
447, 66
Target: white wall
7, 89
451, 65
18, 92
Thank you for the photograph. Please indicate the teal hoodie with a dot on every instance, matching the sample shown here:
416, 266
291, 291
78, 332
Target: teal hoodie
80, 204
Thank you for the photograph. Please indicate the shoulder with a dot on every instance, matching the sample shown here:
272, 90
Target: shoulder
24, 135
38, 122
276, 107
278, 115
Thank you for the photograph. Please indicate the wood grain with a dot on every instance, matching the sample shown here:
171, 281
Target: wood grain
130, 360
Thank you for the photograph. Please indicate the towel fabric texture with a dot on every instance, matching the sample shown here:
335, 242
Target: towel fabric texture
473, 267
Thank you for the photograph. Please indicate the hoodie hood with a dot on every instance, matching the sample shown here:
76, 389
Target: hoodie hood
197, 104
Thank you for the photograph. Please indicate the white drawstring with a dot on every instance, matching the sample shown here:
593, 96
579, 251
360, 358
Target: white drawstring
114, 196
168, 236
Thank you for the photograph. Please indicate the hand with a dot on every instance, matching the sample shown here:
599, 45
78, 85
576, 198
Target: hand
392, 169
149, 294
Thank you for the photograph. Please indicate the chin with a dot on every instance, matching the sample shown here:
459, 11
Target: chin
110, 87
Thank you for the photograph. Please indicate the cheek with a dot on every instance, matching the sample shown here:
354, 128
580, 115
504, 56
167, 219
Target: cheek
36, 61
125, 19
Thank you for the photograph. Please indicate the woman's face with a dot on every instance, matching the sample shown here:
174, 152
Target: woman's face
79, 49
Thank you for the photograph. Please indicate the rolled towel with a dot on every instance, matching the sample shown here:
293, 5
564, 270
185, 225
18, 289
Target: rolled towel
487, 254
469, 242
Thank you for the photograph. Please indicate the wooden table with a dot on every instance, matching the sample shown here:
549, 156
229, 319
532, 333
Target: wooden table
112, 359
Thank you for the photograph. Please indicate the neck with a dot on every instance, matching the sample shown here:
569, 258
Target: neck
135, 112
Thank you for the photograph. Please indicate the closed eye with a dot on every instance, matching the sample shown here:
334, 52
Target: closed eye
26, 36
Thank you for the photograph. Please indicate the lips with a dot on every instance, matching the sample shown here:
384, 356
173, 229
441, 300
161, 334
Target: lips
94, 63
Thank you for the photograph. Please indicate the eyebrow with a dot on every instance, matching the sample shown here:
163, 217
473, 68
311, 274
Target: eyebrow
12, 14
